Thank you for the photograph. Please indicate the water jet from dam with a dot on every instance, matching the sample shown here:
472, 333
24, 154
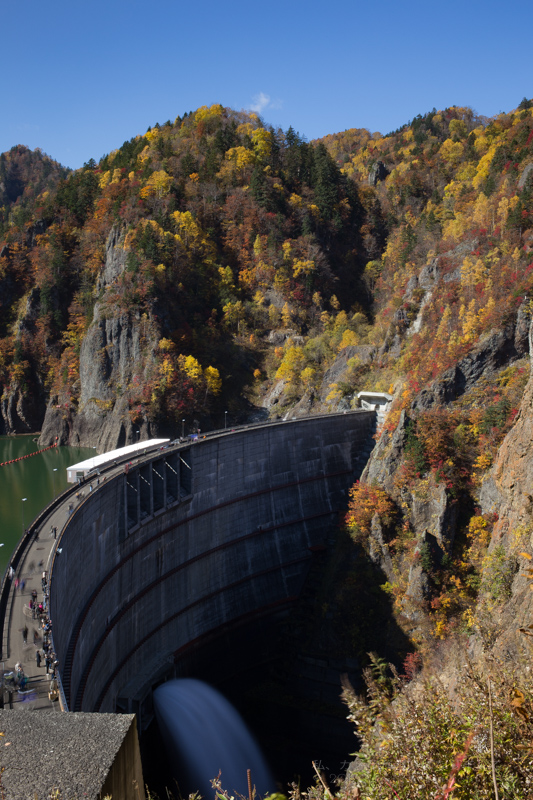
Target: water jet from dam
205, 735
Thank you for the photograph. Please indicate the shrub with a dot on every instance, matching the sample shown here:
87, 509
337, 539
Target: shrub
426, 743
498, 574
365, 501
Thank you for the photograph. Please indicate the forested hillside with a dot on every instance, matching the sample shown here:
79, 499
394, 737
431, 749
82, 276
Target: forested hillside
216, 265
227, 231
251, 256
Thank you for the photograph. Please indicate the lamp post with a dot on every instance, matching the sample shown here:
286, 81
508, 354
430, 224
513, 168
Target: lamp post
54, 479
138, 435
225, 420
23, 501
94, 455
182, 428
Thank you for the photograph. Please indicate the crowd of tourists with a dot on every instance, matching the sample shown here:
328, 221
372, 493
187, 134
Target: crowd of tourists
41, 638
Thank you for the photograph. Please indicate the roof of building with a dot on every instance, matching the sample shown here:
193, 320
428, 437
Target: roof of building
131, 449
70, 754
377, 395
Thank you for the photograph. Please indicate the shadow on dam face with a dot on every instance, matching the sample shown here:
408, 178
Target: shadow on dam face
291, 705
286, 687
209, 561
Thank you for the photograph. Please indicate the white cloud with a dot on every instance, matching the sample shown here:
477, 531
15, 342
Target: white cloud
263, 101
260, 102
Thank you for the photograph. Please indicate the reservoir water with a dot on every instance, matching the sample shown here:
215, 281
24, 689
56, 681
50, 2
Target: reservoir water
37, 479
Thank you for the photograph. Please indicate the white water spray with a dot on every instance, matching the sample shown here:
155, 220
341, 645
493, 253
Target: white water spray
205, 735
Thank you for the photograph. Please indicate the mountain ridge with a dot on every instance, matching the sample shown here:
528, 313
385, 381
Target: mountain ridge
216, 267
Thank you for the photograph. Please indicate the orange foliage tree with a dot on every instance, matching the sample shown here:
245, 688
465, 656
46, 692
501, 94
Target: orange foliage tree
365, 502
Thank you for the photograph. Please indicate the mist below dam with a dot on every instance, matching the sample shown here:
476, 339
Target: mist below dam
205, 737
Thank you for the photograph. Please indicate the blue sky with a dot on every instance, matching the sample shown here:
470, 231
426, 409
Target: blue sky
81, 78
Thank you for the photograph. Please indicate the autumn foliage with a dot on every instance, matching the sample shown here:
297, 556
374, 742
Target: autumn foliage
367, 501
233, 229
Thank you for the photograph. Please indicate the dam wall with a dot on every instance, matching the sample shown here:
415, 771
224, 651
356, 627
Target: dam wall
191, 541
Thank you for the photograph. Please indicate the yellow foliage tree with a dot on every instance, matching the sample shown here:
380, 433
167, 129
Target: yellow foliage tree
158, 184
191, 366
472, 271
444, 324
204, 112
451, 151
286, 248
144, 155
226, 278
295, 200
262, 142
190, 234
273, 315
241, 157
483, 167
334, 394
349, 338
308, 376
166, 370
470, 322
104, 179
213, 380
234, 313
305, 267
166, 345
482, 211
291, 365
458, 129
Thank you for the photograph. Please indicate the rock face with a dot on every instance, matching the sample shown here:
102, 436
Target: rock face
377, 173
20, 413
23, 407
508, 491
110, 356
526, 172
279, 400
115, 350
499, 349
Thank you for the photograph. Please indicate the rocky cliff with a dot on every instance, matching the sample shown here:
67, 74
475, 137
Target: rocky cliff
116, 352
23, 403
507, 492
445, 525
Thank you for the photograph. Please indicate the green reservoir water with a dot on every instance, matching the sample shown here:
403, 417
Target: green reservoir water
33, 478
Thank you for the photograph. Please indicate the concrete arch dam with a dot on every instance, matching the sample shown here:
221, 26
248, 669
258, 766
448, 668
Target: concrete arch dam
192, 541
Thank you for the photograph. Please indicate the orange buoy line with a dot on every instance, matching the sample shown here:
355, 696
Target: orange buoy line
28, 455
